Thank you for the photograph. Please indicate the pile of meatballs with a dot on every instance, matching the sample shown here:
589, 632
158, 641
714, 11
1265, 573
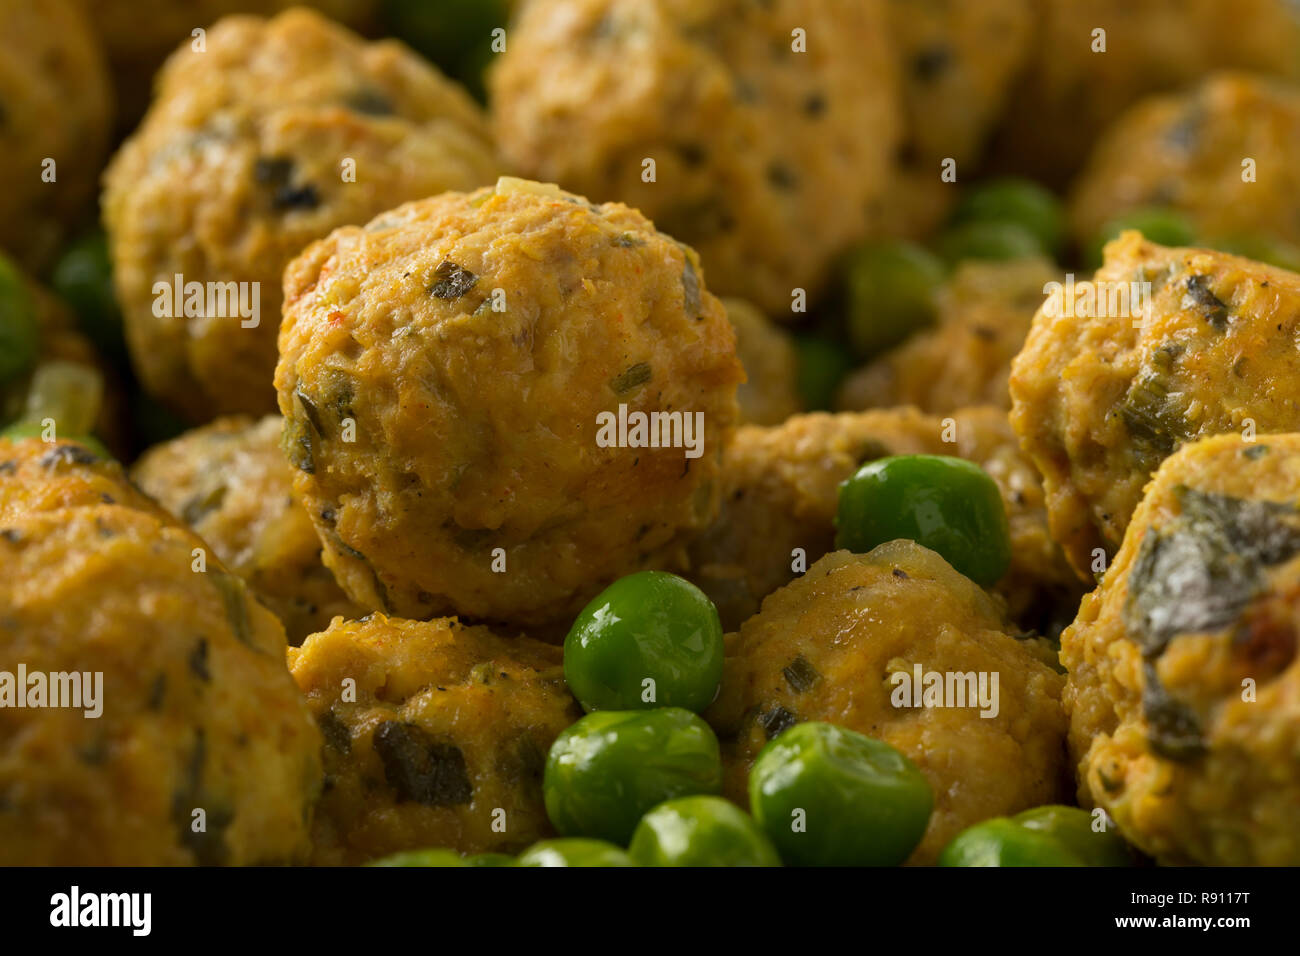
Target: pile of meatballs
390, 498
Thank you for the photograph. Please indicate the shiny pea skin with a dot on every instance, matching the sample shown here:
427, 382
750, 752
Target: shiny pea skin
1021, 202
574, 852
1074, 828
827, 796
701, 831
1003, 842
891, 288
992, 241
1158, 224
490, 859
650, 639
948, 505
434, 857
19, 332
609, 768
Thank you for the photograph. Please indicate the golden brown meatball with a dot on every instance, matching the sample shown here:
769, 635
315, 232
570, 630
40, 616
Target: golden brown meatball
770, 393
436, 735
1068, 93
201, 751
1186, 151
57, 109
230, 483
282, 130
956, 61
985, 311
836, 645
781, 490
483, 353
139, 34
765, 158
1099, 401
1184, 683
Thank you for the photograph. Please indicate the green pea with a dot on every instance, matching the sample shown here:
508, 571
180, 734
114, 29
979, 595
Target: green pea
1274, 252
20, 335
1073, 828
1018, 201
490, 859
827, 796
437, 857
650, 639
821, 366
448, 32
70, 393
22, 430
890, 292
949, 505
609, 768
1159, 224
700, 831
574, 852
996, 241
83, 276
1003, 842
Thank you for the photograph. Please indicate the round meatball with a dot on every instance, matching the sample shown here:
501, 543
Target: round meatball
138, 34
780, 493
710, 117
463, 380
282, 130
436, 735
1071, 90
985, 311
179, 737
1205, 346
54, 125
770, 393
1186, 151
230, 483
1184, 683
852, 642
39, 476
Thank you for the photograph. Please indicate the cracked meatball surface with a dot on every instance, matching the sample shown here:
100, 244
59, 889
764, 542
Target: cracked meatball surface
436, 734
1184, 683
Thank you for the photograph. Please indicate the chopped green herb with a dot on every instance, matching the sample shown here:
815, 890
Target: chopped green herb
453, 281
800, 675
1210, 306
422, 769
630, 378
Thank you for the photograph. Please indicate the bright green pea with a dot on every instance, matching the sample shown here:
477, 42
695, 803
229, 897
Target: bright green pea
436, 857
1021, 202
1073, 828
70, 393
609, 768
700, 831
490, 859
997, 241
1168, 227
821, 366
827, 796
890, 291
21, 430
650, 639
1274, 252
949, 505
1003, 842
20, 335
574, 852
83, 276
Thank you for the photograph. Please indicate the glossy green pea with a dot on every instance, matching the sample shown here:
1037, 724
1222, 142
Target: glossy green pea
21, 430
821, 365
700, 831
435, 857
574, 852
83, 276
1018, 201
609, 768
1168, 227
1073, 828
1003, 842
996, 241
949, 505
890, 290
1274, 252
19, 333
490, 859
650, 639
827, 796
